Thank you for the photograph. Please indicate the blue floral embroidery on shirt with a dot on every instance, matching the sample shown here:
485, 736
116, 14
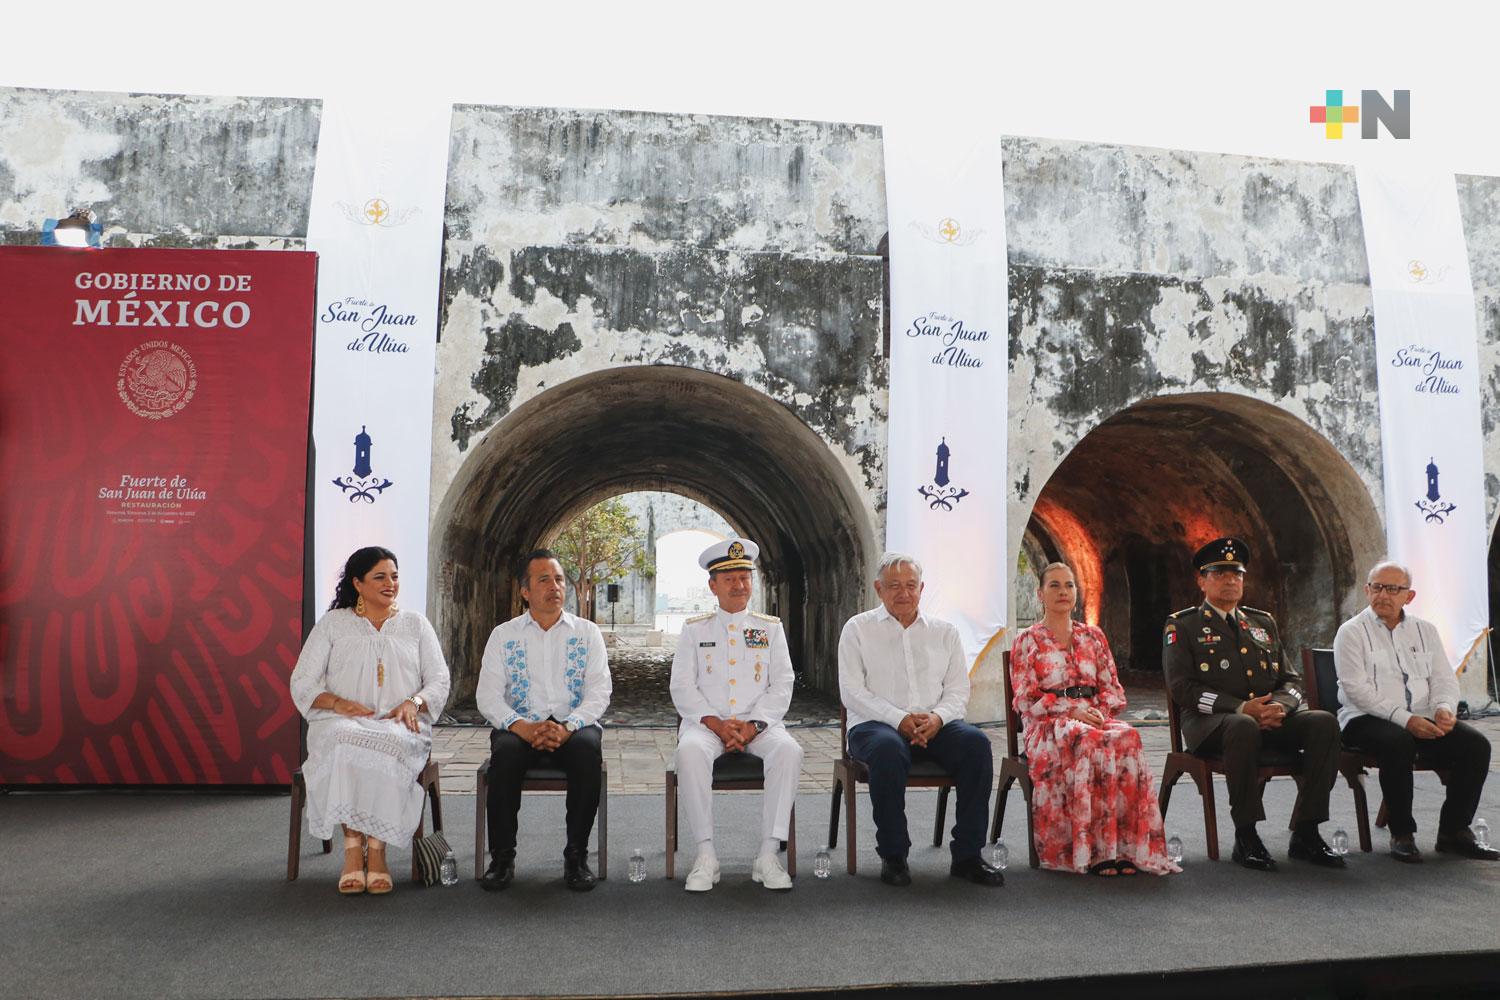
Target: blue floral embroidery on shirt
517, 678
578, 659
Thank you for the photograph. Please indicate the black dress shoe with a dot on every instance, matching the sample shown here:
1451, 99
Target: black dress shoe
978, 871
1249, 852
577, 875
499, 875
893, 871
1405, 849
1462, 843
1309, 846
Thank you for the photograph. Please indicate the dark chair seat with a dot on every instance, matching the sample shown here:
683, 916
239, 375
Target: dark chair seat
538, 779
739, 766
1279, 758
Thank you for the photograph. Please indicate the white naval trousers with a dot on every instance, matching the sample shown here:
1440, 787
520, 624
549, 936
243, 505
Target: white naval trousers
698, 748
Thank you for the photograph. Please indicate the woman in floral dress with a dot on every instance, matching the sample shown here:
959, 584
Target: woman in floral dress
1094, 799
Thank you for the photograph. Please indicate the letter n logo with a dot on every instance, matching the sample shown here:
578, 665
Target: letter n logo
1375, 112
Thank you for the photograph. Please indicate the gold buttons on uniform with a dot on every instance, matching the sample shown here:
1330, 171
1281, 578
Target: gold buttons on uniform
731, 662
1248, 673
731, 680
1203, 666
1244, 650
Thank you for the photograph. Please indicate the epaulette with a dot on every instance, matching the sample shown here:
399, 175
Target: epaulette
1257, 611
699, 618
1183, 612
765, 618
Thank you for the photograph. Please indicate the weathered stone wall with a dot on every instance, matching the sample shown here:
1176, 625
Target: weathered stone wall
582, 241
158, 169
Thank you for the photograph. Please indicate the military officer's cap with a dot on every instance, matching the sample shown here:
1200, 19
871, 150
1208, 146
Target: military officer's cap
1222, 553
731, 553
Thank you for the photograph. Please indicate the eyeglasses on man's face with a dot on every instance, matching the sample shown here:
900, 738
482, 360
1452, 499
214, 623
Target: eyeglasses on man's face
1388, 588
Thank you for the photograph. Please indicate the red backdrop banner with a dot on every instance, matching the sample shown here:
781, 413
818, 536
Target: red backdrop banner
153, 456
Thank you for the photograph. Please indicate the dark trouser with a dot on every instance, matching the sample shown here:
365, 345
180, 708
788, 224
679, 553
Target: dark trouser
1239, 739
511, 756
959, 748
1464, 753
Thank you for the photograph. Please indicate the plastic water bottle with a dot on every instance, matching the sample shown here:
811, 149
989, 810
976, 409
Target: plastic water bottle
637, 866
450, 869
1481, 832
998, 855
823, 863
1174, 849
1340, 842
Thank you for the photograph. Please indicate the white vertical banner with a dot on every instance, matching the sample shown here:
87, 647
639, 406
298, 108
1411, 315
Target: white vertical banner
1428, 362
946, 467
377, 225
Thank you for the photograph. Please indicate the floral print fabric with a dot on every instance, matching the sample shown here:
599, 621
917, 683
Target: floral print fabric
1093, 795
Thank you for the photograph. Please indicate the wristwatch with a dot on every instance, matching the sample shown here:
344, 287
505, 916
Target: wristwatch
760, 726
416, 700
571, 726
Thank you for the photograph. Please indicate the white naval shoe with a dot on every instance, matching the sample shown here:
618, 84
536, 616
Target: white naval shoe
769, 873
704, 876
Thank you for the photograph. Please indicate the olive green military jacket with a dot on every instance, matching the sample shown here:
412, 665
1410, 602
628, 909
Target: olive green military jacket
1211, 671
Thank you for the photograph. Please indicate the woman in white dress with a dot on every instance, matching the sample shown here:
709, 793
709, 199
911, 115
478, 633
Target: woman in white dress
370, 681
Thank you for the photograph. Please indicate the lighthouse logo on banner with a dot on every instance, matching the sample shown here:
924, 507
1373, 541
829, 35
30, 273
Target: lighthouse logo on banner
941, 494
1434, 509
363, 485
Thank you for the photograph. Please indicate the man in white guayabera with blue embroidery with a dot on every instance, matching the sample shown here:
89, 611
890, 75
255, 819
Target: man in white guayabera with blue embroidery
543, 683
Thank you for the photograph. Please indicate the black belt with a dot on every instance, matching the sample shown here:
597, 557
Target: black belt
1077, 691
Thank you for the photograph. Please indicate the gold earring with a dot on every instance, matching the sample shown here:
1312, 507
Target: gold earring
393, 610
359, 606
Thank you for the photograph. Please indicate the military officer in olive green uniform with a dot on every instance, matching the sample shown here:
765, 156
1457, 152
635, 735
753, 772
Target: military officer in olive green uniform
1237, 692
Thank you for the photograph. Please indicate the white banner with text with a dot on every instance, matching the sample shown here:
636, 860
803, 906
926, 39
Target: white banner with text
1428, 364
946, 465
377, 225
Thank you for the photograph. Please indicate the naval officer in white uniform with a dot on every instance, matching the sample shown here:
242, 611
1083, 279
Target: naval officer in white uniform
732, 683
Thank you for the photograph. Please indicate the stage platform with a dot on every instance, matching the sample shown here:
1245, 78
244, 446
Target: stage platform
183, 895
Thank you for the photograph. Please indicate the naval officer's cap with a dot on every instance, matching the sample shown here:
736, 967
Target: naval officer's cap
1222, 553
731, 553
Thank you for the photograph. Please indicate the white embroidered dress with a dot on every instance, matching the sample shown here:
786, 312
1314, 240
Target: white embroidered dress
363, 771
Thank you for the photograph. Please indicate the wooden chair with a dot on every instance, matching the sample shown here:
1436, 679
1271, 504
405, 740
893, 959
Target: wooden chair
848, 772
1323, 692
538, 779
737, 771
428, 779
1013, 767
1201, 768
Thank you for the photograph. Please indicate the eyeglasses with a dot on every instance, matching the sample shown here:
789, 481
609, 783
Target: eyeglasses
1388, 588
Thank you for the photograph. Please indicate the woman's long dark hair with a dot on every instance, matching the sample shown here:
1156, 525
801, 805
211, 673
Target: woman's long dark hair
355, 568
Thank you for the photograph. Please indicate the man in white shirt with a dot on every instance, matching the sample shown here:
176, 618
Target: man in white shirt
732, 684
1397, 695
904, 680
543, 683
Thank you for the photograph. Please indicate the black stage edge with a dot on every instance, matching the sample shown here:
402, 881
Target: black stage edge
1455, 975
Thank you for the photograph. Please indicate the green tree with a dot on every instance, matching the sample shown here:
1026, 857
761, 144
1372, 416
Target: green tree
600, 545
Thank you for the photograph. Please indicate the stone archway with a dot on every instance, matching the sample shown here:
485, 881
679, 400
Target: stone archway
666, 428
1138, 495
